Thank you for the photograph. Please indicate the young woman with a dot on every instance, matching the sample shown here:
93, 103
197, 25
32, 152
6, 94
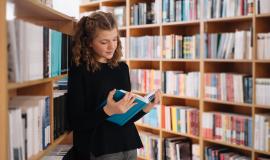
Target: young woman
94, 75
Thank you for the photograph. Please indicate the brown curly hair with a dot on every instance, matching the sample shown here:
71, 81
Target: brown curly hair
85, 33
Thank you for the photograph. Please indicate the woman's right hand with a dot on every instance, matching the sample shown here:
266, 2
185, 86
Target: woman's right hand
122, 106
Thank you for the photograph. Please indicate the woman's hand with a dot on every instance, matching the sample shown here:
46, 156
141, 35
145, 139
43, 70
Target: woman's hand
121, 106
156, 101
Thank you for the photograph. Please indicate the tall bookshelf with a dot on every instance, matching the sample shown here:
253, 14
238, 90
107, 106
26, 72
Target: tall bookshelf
34, 12
259, 23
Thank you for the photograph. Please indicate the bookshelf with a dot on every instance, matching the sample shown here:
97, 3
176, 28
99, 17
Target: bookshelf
257, 68
34, 12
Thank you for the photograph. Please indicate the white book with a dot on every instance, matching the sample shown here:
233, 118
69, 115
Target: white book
13, 59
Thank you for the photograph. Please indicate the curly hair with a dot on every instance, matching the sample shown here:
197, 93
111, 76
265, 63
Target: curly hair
85, 33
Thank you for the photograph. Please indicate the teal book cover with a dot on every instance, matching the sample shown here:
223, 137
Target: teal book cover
142, 102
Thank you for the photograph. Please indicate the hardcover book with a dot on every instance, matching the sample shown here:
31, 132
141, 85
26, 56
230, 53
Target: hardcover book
123, 118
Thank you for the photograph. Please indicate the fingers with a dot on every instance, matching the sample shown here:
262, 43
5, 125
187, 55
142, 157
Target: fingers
130, 106
111, 93
126, 99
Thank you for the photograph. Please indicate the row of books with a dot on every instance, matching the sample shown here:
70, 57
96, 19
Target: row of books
119, 13
181, 84
60, 152
180, 10
152, 118
178, 46
177, 148
262, 91
144, 47
35, 52
223, 153
227, 8
60, 112
228, 87
227, 127
152, 146
145, 80
263, 43
144, 13
263, 6
262, 125
182, 119
236, 45
29, 126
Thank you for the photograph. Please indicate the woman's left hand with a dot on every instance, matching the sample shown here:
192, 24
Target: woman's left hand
152, 104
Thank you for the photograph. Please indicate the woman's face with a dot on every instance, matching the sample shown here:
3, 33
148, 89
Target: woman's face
105, 44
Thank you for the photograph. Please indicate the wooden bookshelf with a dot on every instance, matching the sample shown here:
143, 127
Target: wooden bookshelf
254, 67
3, 85
50, 147
34, 12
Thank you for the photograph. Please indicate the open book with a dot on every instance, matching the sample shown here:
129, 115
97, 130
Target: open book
142, 102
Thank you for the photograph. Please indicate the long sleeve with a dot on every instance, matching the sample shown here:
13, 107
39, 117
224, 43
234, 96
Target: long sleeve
81, 119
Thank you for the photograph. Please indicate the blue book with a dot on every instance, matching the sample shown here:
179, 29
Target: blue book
142, 102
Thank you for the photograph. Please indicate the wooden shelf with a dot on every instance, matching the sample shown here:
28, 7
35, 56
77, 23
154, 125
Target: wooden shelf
144, 59
38, 13
180, 97
228, 103
50, 147
262, 61
264, 15
181, 134
37, 10
146, 126
230, 19
144, 26
229, 145
12, 86
228, 60
182, 23
262, 152
262, 106
180, 60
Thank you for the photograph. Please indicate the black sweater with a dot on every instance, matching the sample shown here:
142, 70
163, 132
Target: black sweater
91, 131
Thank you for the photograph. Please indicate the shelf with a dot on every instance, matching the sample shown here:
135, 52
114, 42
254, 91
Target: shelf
229, 19
50, 148
181, 134
230, 24
146, 126
144, 26
180, 97
122, 28
182, 23
262, 106
228, 60
229, 145
264, 15
12, 86
35, 9
40, 14
180, 60
227, 103
144, 59
263, 61
90, 4
263, 152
